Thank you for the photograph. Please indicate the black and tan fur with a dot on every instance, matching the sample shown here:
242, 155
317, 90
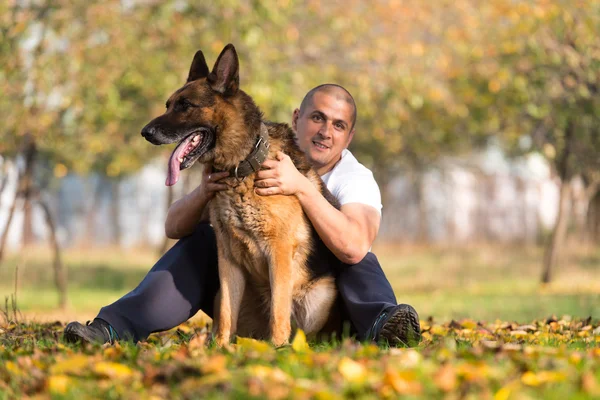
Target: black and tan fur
264, 242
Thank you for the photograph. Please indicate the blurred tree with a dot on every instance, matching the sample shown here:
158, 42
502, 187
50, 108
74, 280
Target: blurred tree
541, 73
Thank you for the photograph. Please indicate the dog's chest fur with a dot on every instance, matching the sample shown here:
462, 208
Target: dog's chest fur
259, 224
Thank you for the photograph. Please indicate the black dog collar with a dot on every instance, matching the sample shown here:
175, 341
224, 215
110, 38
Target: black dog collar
254, 160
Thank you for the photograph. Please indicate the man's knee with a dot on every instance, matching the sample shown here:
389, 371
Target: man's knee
369, 265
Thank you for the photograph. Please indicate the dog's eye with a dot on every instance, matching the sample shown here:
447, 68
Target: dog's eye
183, 105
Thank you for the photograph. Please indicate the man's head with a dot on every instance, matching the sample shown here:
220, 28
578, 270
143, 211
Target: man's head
324, 125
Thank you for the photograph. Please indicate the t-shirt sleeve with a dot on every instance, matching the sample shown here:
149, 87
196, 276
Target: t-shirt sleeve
359, 188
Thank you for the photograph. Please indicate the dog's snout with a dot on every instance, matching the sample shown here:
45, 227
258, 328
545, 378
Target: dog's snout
148, 131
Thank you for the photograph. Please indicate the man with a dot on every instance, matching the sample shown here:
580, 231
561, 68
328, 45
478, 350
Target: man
185, 279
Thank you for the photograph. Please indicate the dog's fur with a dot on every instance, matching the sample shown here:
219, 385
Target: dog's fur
264, 242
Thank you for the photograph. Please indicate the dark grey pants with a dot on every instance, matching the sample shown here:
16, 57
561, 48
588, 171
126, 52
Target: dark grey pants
186, 280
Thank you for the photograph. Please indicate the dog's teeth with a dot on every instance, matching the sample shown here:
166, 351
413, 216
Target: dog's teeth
180, 159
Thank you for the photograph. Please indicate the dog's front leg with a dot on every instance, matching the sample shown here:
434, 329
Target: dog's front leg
280, 271
232, 282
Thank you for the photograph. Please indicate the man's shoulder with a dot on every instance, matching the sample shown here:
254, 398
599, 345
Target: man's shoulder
349, 165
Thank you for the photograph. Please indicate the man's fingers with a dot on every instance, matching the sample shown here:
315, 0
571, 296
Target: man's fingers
280, 155
215, 176
268, 191
269, 163
216, 187
266, 174
265, 183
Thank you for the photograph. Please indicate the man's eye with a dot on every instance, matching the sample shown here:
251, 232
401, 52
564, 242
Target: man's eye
316, 118
339, 126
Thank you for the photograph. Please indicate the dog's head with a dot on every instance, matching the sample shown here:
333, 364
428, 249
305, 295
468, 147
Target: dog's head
199, 112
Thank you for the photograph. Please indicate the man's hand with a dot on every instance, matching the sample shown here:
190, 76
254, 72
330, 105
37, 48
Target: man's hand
210, 182
183, 215
280, 177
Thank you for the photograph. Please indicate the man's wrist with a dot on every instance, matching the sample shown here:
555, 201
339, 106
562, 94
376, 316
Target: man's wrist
306, 189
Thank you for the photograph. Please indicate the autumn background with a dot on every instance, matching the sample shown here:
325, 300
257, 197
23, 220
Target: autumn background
480, 121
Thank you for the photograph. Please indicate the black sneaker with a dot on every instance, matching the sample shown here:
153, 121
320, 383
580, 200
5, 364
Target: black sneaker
398, 326
98, 331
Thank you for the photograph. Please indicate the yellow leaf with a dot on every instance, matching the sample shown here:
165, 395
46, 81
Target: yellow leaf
299, 343
214, 364
73, 365
518, 334
438, 330
351, 370
502, 394
402, 383
468, 324
112, 370
532, 379
13, 368
265, 372
445, 378
253, 345
58, 384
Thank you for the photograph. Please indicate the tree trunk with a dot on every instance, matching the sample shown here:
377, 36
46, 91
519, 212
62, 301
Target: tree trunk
89, 236
423, 225
26, 190
593, 219
60, 273
28, 149
115, 212
5, 172
11, 213
559, 232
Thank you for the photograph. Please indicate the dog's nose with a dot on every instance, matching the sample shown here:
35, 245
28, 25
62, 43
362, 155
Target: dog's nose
148, 131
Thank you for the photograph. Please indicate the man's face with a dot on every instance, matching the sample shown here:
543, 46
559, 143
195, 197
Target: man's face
324, 129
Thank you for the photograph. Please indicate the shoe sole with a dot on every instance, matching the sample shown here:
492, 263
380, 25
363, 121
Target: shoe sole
402, 328
76, 333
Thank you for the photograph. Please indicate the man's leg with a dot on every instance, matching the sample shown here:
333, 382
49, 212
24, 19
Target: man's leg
370, 304
183, 281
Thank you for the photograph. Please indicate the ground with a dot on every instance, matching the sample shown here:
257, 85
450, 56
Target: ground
489, 331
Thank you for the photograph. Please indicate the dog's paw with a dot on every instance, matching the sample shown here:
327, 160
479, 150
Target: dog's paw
221, 340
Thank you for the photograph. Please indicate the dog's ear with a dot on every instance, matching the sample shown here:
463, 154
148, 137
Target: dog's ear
199, 68
225, 77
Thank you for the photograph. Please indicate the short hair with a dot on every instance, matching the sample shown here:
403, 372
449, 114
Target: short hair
329, 88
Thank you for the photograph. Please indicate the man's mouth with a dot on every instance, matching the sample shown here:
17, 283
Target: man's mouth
183, 156
320, 145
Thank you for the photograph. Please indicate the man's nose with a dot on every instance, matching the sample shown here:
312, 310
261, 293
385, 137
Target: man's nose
325, 130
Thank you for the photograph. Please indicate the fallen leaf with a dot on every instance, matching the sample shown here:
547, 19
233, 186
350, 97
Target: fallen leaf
248, 344
214, 364
112, 370
403, 383
74, 365
351, 370
59, 384
299, 343
445, 378
530, 378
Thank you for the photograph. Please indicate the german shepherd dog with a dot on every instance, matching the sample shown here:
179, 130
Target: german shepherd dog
264, 243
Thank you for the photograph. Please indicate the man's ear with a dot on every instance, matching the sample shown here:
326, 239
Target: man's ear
199, 69
295, 119
225, 77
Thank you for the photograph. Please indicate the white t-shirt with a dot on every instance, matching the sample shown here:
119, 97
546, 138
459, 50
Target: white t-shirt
351, 182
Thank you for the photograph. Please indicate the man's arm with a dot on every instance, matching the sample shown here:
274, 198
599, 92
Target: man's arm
185, 214
348, 232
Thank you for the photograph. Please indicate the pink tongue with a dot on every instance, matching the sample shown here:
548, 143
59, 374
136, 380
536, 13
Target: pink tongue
174, 164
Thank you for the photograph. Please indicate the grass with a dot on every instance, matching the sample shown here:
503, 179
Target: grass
548, 359
462, 294
480, 282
